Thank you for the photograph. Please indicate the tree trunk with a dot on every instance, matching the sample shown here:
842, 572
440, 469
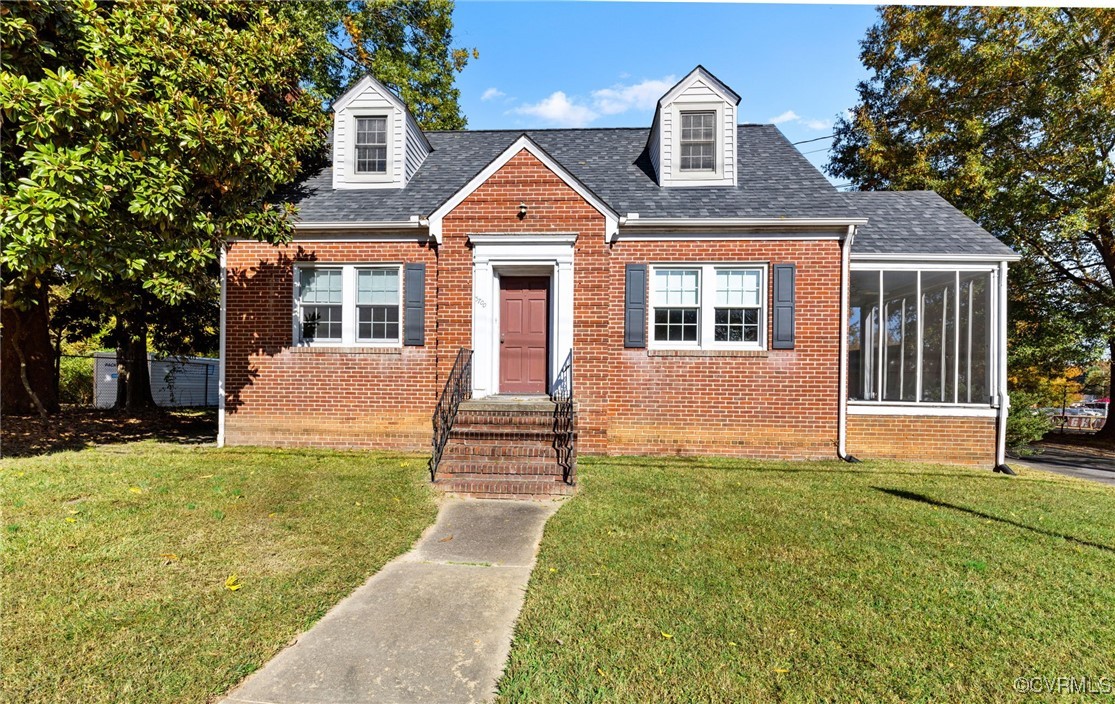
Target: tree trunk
1107, 432
26, 354
133, 391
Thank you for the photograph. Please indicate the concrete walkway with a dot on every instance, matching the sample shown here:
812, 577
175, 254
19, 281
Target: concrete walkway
434, 625
1072, 464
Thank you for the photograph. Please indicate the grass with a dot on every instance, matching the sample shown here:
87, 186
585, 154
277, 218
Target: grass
117, 562
719, 580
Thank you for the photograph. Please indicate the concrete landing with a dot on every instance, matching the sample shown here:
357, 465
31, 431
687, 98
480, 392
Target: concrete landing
434, 625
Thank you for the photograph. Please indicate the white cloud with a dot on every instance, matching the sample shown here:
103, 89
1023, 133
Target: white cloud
559, 110
787, 116
808, 122
492, 94
621, 98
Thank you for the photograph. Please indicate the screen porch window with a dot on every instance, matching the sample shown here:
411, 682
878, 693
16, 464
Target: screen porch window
698, 141
320, 304
920, 336
371, 145
377, 305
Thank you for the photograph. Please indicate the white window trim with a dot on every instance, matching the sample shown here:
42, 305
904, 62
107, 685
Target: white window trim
389, 128
680, 177
348, 305
706, 315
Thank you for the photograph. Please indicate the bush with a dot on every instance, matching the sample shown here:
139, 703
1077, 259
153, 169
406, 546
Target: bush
1025, 423
75, 381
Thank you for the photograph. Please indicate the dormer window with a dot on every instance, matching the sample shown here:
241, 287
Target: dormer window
371, 145
698, 141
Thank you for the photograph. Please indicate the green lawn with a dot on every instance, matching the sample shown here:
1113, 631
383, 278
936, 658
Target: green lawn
716, 580
115, 562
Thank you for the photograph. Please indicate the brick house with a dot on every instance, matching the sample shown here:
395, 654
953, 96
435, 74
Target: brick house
705, 286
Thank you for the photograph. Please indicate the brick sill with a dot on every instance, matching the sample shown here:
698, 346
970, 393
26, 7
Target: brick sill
707, 353
322, 349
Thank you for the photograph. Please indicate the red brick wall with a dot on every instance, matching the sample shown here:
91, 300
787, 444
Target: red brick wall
923, 438
776, 403
281, 395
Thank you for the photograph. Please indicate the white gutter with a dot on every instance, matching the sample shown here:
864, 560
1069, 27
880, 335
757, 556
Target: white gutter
1004, 397
930, 257
412, 224
842, 393
221, 363
634, 220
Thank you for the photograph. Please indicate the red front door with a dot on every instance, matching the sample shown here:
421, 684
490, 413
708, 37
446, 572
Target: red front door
523, 332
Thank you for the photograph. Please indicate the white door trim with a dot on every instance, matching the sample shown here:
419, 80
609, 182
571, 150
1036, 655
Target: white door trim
527, 255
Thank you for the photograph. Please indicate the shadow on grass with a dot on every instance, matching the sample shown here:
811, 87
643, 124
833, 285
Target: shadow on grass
922, 498
23, 436
803, 467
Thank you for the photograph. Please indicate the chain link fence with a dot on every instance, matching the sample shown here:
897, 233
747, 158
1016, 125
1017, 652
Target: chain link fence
92, 380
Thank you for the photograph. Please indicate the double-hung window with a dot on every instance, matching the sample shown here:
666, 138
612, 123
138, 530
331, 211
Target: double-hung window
371, 145
348, 304
698, 141
708, 306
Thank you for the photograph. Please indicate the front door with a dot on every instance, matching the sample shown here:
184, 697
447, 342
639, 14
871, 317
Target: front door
523, 334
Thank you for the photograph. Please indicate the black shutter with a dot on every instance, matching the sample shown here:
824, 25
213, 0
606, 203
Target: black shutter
414, 317
635, 307
783, 307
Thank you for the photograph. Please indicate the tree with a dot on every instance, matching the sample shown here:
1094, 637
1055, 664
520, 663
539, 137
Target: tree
139, 137
406, 44
1010, 114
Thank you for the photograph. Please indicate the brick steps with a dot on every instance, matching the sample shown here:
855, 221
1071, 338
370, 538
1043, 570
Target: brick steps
502, 449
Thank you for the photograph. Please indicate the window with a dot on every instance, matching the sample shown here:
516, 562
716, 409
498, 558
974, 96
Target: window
349, 304
377, 305
698, 141
371, 145
920, 336
676, 304
710, 305
320, 304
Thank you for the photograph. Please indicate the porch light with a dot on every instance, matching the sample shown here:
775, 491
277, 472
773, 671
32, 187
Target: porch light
522, 210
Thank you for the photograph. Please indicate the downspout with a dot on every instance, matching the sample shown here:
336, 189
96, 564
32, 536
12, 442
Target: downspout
221, 363
1004, 398
842, 392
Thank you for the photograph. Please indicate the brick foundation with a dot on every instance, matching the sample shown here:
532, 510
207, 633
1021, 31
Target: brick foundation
952, 440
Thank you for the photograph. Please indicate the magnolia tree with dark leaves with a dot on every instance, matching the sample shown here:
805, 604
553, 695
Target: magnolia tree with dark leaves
1009, 113
139, 137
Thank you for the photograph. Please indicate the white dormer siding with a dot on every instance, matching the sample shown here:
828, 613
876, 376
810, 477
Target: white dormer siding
407, 147
699, 92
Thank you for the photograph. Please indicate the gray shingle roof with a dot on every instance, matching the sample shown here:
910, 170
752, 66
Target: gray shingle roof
775, 180
918, 222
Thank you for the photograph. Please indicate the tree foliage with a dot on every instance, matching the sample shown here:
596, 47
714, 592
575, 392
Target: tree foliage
406, 44
140, 136
1008, 113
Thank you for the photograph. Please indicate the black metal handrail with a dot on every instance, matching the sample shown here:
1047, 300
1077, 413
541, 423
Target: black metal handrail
458, 387
565, 431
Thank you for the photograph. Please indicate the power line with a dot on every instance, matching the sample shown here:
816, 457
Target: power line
814, 151
816, 139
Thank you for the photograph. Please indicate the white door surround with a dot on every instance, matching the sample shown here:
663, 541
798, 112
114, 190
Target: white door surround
494, 255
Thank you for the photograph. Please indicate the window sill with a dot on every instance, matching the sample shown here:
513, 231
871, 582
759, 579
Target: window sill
707, 353
875, 408
341, 349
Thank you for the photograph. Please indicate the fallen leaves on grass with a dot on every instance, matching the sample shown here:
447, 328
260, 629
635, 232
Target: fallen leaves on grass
233, 582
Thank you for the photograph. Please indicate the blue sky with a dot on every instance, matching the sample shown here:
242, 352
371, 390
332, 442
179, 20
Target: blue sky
604, 64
